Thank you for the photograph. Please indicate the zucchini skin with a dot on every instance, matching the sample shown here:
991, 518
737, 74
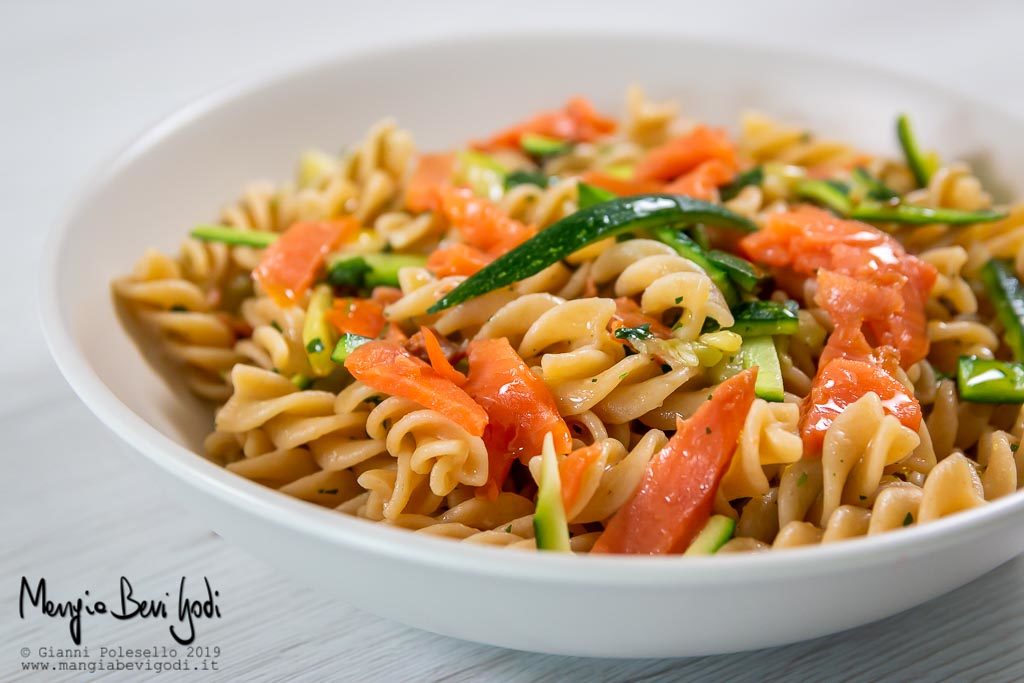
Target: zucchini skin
1007, 295
538, 145
759, 318
916, 161
347, 343
754, 176
234, 236
874, 188
549, 523
825, 193
716, 533
745, 274
586, 226
371, 270
317, 334
526, 178
691, 251
760, 351
589, 195
835, 197
980, 380
920, 215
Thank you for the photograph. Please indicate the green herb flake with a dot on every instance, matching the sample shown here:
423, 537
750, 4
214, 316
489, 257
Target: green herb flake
315, 345
802, 480
679, 299
1014, 447
508, 529
908, 520
276, 325
178, 308
643, 332
863, 497
624, 375
328, 492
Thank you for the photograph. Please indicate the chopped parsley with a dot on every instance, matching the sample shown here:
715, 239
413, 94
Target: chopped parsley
315, 345
908, 520
508, 529
802, 480
624, 375
328, 492
643, 332
679, 299
1014, 447
276, 326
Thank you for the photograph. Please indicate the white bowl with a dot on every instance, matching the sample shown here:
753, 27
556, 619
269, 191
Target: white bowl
182, 171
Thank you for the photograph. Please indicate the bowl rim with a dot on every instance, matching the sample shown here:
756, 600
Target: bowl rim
269, 506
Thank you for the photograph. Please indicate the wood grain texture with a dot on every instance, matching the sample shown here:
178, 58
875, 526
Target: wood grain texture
78, 507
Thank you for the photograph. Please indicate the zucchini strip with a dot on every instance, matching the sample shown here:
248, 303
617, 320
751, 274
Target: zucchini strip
873, 188
754, 176
826, 194
371, 270
587, 226
549, 523
543, 146
347, 343
980, 380
921, 165
921, 215
1007, 295
760, 318
745, 274
589, 195
234, 236
691, 251
526, 178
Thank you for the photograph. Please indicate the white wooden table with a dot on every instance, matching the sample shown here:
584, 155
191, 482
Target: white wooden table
78, 80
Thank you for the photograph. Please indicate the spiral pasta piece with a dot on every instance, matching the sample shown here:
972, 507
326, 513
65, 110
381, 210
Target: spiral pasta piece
858, 446
664, 281
538, 206
178, 312
431, 443
769, 437
764, 139
648, 123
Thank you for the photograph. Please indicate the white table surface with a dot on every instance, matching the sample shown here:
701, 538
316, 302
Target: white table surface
79, 79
